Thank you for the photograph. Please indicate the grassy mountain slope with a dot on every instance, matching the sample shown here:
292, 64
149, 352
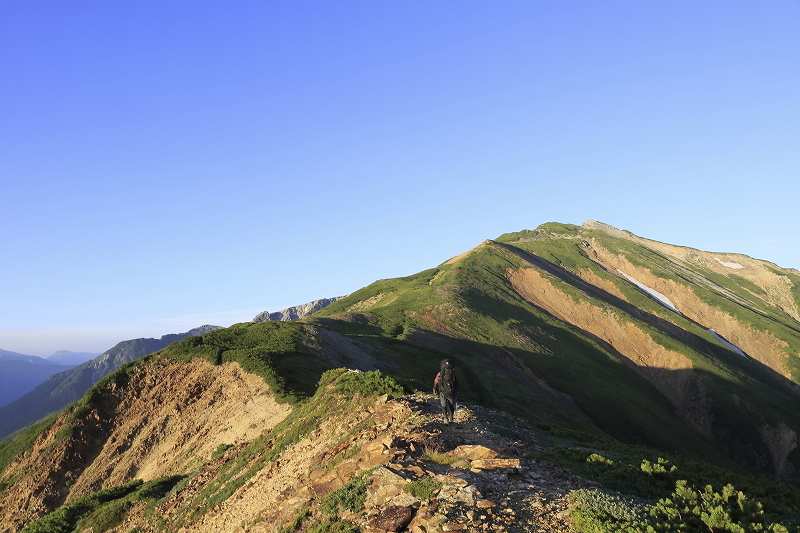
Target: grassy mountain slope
583, 331
186, 440
546, 324
164, 414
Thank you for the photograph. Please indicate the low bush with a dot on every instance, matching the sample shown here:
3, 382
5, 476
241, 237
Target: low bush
597, 510
101, 510
368, 384
332, 526
65, 518
105, 517
424, 489
221, 449
351, 497
689, 510
686, 510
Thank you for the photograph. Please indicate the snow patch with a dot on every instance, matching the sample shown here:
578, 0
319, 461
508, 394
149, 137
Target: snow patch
726, 343
654, 294
729, 264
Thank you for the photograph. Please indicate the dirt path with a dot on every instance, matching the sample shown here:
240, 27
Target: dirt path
530, 497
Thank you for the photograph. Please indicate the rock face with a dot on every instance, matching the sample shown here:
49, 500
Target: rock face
296, 312
148, 428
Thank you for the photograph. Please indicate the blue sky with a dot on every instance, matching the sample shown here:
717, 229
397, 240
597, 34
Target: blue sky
169, 164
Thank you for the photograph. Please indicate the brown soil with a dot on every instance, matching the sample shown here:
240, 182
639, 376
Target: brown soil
487, 486
171, 416
168, 420
459, 257
759, 345
647, 356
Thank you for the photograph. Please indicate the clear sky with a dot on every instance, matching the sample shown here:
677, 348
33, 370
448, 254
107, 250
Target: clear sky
169, 164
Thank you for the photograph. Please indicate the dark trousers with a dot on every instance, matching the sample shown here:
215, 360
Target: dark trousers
448, 406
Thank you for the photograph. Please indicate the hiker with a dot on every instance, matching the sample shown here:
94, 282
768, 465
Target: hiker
446, 386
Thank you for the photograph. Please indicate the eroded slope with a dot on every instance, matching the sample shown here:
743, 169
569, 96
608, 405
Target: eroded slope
157, 420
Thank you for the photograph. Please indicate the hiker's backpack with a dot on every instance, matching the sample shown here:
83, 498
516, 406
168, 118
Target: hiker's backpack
447, 382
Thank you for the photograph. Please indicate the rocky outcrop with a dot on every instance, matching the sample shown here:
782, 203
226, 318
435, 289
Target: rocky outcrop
296, 312
781, 441
418, 474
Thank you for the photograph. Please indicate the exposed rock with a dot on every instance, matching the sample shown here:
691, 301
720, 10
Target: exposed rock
296, 312
781, 440
495, 463
392, 518
384, 442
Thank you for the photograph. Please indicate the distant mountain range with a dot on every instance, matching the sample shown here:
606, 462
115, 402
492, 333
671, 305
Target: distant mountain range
5, 355
65, 357
21, 373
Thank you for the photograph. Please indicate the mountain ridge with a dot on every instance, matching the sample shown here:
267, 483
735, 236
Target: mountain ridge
563, 327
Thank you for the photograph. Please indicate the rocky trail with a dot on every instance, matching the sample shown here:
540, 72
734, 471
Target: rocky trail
473, 475
488, 484
414, 473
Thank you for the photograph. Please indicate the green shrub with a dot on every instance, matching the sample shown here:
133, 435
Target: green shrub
222, 448
660, 468
438, 458
105, 517
597, 458
65, 518
101, 510
424, 489
646, 474
689, 510
597, 505
686, 510
368, 384
351, 496
332, 526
